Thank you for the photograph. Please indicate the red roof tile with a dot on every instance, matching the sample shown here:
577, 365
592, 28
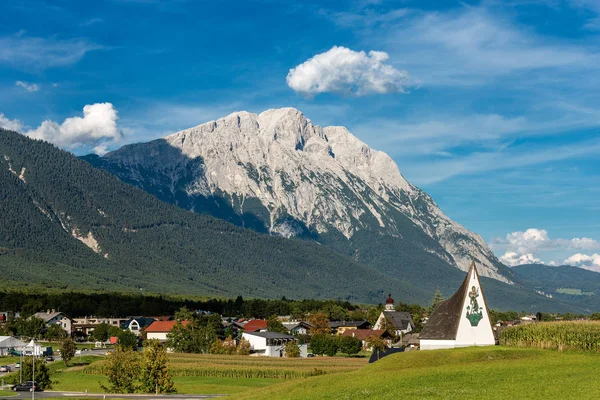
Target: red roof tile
255, 325
163, 326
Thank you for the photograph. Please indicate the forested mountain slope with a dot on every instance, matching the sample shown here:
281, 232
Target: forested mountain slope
65, 224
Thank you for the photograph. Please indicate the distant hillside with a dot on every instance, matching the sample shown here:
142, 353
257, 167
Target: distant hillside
565, 283
65, 224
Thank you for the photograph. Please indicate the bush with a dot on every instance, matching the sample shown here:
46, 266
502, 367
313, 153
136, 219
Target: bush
349, 345
292, 350
322, 344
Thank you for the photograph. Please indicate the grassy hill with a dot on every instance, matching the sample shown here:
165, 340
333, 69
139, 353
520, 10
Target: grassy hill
468, 373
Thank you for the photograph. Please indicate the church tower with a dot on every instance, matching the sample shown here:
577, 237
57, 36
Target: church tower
389, 303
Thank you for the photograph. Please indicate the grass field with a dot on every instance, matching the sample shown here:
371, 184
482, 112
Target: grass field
470, 373
576, 292
8, 360
214, 374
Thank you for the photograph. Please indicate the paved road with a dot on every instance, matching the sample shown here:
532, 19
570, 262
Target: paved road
79, 395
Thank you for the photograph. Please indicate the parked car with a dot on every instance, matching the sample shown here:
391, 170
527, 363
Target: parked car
5, 368
27, 387
310, 355
49, 358
18, 365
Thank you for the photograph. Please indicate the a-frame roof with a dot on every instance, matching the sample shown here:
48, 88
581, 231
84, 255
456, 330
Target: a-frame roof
445, 318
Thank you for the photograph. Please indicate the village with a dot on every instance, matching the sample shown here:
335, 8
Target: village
462, 320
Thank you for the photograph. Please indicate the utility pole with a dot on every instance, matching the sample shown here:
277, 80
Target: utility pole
21, 365
33, 377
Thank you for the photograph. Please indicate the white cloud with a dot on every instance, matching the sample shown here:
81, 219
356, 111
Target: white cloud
344, 71
524, 247
30, 87
585, 261
10, 124
533, 240
40, 53
476, 44
513, 259
99, 124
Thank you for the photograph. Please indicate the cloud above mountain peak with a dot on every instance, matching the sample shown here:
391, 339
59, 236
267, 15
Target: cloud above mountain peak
343, 71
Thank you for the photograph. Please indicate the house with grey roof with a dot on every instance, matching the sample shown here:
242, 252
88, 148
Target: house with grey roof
462, 320
8, 343
137, 324
53, 317
297, 328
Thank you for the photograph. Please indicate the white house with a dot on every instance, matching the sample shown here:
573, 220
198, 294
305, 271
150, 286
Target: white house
137, 324
52, 317
297, 327
401, 321
271, 344
462, 320
10, 343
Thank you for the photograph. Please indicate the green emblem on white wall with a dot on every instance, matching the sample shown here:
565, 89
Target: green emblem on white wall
474, 312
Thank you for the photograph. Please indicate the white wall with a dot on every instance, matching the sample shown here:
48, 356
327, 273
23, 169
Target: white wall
162, 336
480, 335
256, 342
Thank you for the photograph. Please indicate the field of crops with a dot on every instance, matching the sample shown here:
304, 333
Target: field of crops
224, 366
562, 335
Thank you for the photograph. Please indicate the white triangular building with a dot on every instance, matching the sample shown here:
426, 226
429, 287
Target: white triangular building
462, 320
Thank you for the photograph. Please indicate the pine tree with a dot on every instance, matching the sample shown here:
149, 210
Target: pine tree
437, 299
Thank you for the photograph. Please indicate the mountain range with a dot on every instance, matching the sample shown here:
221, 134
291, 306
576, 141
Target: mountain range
264, 205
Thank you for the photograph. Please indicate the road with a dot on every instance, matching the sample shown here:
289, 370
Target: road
91, 352
80, 395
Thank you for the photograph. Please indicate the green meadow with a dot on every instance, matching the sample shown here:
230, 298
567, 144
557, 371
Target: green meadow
469, 373
496, 372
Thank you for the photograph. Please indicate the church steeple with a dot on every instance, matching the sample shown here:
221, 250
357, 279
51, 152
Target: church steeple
389, 303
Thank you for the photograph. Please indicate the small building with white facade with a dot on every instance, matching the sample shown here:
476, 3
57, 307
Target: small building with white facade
137, 324
53, 317
462, 320
8, 343
159, 330
271, 344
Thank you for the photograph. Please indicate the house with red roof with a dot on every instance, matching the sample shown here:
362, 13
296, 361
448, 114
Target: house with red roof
160, 329
255, 325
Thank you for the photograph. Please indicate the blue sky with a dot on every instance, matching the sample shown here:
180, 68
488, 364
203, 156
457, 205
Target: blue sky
491, 107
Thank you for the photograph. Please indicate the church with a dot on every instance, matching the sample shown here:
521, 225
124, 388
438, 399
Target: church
462, 320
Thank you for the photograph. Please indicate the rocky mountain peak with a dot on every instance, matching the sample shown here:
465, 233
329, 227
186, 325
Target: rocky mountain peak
297, 177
